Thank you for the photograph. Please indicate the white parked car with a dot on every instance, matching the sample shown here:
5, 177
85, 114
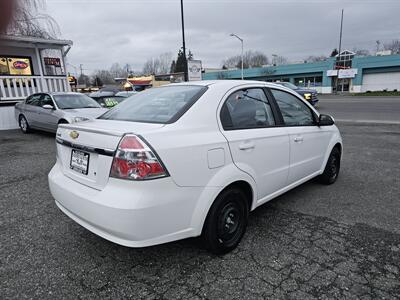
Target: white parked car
190, 159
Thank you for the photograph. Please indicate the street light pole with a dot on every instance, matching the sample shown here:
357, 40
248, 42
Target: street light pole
340, 50
183, 44
241, 41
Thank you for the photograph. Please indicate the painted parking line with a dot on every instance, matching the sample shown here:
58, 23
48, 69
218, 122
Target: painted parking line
386, 122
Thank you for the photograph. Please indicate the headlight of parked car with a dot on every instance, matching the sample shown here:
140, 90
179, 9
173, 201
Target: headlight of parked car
307, 96
80, 119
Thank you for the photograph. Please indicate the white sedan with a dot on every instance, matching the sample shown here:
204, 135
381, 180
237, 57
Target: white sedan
190, 159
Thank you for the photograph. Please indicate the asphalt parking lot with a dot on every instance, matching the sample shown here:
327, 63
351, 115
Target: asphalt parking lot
340, 241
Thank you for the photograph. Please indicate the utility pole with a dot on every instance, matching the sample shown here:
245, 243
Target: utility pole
341, 32
183, 44
81, 77
340, 49
241, 41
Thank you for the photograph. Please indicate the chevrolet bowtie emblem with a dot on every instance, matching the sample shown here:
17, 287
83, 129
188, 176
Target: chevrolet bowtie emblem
74, 134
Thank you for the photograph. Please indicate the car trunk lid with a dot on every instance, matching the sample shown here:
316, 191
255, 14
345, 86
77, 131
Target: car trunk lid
86, 149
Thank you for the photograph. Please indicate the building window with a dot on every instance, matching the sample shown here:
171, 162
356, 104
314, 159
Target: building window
311, 81
300, 81
53, 66
17, 66
344, 59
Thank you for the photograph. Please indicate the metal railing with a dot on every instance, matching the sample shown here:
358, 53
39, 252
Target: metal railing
19, 87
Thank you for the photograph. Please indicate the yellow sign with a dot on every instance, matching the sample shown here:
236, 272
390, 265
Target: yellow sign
3, 66
19, 66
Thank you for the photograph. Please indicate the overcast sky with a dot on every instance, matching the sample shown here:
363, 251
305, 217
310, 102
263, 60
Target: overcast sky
131, 31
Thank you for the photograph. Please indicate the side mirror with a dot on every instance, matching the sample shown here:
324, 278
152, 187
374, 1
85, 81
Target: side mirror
325, 120
48, 106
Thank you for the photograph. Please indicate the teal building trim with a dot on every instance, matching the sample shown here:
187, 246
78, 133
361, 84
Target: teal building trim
364, 65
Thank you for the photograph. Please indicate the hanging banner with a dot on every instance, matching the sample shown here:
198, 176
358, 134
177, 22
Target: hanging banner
194, 70
331, 73
347, 73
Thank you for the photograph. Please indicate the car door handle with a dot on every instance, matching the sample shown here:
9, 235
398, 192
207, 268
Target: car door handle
247, 145
298, 139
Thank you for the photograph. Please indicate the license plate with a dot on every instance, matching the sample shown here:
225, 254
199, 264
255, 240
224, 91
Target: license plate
79, 161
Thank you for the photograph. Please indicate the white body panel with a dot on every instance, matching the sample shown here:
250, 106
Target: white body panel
201, 160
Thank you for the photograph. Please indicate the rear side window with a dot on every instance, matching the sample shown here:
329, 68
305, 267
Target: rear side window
247, 108
157, 105
294, 111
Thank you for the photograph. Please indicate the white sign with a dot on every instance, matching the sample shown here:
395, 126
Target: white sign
194, 70
331, 73
348, 73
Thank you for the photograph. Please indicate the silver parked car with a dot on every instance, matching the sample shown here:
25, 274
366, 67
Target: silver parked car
44, 111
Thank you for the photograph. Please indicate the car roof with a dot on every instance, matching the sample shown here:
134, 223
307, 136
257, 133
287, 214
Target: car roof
226, 83
61, 93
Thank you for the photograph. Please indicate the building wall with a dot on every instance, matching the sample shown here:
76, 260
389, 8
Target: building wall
7, 119
364, 65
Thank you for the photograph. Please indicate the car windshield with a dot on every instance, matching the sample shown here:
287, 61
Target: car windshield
71, 101
109, 101
125, 94
289, 85
157, 105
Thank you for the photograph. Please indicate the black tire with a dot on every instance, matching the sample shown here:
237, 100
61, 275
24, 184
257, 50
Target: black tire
332, 168
23, 124
226, 221
62, 121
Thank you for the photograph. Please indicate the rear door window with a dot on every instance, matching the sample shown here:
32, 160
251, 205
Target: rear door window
247, 108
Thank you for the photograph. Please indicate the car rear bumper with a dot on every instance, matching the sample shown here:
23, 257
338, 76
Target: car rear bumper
133, 214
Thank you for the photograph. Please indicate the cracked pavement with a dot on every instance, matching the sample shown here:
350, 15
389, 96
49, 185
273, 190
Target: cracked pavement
326, 242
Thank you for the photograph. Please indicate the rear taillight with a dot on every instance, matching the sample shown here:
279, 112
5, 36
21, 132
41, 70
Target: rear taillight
135, 160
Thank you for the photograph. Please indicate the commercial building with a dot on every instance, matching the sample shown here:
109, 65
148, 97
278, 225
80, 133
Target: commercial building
29, 65
347, 73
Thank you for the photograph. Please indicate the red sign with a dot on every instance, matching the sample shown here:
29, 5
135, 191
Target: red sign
20, 65
52, 61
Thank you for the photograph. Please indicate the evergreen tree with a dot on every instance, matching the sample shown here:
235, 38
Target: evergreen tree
190, 55
180, 62
173, 67
334, 52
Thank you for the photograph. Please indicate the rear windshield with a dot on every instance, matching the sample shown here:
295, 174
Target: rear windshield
157, 105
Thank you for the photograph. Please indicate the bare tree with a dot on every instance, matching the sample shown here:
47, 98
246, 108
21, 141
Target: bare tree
251, 59
361, 52
279, 60
28, 21
394, 46
105, 76
158, 65
119, 72
315, 58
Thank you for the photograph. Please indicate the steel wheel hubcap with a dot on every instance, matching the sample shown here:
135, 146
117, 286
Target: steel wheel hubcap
334, 166
228, 222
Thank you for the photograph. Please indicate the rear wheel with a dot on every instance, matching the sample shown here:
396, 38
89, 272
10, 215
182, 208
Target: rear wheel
226, 221
332, 168
23, 124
